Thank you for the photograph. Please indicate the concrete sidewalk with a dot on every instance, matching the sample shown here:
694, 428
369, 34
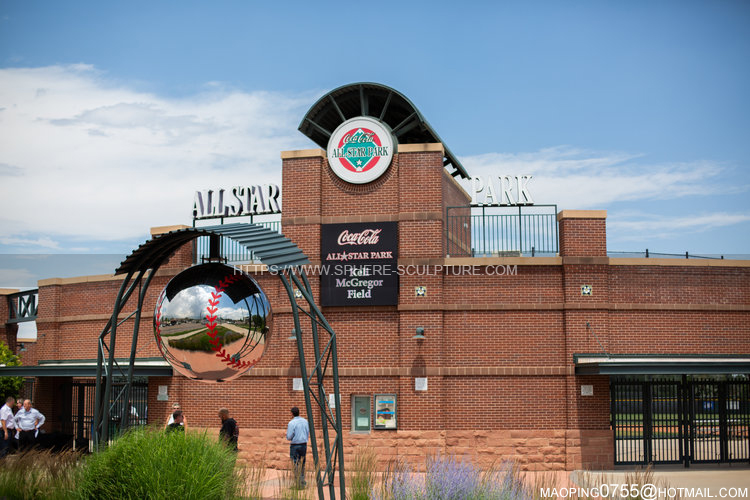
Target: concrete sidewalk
705, 482
709, 480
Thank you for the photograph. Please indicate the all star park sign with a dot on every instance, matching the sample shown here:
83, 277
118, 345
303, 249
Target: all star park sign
360, 150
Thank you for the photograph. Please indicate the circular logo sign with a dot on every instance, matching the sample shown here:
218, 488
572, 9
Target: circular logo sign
360, 150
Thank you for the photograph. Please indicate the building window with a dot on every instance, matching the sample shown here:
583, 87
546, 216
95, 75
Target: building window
361, 413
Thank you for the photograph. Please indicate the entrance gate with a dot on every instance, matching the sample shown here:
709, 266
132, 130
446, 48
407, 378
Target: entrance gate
83, 401
668, 421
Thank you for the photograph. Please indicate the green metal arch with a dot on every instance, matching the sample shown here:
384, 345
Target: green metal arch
378, 101
271, 247
281, 255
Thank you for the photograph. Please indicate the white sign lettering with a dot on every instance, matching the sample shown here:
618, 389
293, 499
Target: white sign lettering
503, 190
366, 237
238, 201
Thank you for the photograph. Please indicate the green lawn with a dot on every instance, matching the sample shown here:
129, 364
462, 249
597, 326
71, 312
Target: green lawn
199, 341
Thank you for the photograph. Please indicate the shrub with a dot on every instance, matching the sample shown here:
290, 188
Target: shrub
149, 463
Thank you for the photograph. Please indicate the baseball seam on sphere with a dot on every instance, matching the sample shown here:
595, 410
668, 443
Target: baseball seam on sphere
211, 324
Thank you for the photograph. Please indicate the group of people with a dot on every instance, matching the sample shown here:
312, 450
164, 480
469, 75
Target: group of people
297, 433
229, 430
20, 427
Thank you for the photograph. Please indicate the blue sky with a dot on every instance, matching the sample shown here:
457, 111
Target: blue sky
113, 113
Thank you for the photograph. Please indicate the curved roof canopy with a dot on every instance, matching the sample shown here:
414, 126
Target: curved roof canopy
378, 101
272, 248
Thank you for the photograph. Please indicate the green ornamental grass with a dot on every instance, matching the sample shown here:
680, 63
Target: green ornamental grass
148, 463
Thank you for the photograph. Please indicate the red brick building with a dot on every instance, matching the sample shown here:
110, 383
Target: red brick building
519, 357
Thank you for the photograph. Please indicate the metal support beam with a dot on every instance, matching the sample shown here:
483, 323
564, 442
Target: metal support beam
140, 273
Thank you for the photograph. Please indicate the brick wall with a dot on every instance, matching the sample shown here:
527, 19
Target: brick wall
498, 353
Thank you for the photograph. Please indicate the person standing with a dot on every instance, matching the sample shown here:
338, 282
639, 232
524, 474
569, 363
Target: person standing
176, 425
28, 422
8, 422
298, 432
229, 431
170, 420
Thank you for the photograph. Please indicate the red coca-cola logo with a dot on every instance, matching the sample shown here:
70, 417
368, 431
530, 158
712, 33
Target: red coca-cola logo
366, 237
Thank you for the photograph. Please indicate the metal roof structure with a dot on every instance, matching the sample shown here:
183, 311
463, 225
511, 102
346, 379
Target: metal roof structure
378, 101
271, 247
143, 367
661, 364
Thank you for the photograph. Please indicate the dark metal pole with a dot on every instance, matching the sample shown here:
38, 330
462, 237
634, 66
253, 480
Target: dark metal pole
125, 416
339, 443
305, 381
321, 389
101, 411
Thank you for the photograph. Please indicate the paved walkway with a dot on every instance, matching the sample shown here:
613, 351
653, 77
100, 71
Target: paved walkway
709, 480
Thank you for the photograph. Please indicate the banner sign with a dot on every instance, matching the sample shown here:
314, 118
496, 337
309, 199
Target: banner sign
359, 264
360, 150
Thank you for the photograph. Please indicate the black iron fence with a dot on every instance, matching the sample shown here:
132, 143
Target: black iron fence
690, 420
527, 231
83, 399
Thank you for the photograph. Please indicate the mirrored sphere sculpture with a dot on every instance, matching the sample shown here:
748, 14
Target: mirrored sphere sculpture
212, 323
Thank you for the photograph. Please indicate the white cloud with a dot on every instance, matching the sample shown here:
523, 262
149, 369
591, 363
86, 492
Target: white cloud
632, 226
193, 303
575, 178
16, 278
86, 158
46, 243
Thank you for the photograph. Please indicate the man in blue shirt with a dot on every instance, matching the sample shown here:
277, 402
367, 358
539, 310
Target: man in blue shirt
28, 421
298, 432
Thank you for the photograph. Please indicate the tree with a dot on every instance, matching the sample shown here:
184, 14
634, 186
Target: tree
9, 386
259, 322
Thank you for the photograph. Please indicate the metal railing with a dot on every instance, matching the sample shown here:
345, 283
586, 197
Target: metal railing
529, 231
23, 306
231, 250
648, 254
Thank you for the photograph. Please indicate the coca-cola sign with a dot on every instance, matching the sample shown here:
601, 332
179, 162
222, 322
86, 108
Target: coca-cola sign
359, 264
360, 150
366, 237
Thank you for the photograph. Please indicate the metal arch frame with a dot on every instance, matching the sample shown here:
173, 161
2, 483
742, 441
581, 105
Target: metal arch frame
283, 259
348, 101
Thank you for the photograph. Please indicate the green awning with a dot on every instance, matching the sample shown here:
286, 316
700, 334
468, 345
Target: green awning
144, 367
660, 364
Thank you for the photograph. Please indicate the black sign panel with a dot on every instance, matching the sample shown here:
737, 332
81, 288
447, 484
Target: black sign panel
359, 264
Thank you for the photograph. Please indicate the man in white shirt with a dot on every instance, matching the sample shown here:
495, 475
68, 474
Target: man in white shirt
28, 422
9, 425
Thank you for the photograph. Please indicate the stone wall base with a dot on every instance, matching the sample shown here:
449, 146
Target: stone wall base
562, 449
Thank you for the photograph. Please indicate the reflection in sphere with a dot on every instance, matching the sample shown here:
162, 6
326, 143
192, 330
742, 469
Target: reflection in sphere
211, 322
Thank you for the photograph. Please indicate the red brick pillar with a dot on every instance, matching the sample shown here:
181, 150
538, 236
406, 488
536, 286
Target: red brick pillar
301, 188
583, 247
583, 233
7, 332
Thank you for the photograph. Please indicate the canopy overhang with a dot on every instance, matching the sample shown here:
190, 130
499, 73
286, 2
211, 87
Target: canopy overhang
378, 101
144, 367
667, 364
